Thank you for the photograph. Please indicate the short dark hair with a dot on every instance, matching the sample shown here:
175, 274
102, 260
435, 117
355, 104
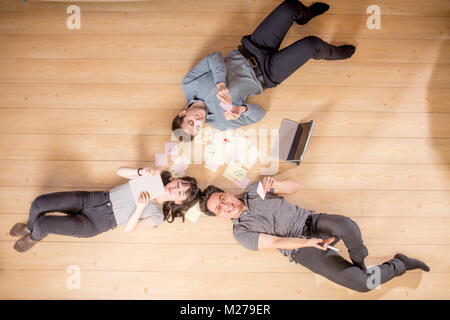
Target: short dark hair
204, 197
176, 122
178, 132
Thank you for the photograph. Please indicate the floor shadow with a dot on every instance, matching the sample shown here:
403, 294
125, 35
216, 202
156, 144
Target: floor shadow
437, 97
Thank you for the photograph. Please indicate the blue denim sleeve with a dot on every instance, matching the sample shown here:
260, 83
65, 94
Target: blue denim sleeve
211, 63
217, 66
253, 114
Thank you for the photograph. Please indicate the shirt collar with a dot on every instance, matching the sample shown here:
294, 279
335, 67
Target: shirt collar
208, 112
244, 198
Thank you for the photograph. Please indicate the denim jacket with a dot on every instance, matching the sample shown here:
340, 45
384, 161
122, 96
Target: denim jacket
199, 84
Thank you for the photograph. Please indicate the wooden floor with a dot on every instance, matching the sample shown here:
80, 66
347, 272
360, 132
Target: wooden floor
77, 104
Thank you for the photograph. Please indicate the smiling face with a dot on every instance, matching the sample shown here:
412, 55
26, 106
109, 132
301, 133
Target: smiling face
225, 205
177, 190
194, 117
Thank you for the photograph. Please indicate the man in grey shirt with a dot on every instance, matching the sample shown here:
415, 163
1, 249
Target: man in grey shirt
217, 89
301, 234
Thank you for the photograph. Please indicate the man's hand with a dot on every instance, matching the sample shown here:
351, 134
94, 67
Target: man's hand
267, 183
320, 244
223, 94
235, 113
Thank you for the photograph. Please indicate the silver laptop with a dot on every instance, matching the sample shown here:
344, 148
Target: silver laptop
292, 141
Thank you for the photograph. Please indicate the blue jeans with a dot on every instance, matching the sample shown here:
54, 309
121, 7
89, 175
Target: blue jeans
87, 214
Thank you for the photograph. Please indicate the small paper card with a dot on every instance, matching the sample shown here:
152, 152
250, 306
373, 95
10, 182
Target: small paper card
239, 148
211, 166
213, 153
171, 147
250, 157
243, 183
234, 172
178, 169
260, 191
161, 160
206, 135
193, 213
152, 184
182, 158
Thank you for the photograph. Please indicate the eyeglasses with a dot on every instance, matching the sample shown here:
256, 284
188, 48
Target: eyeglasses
219, 206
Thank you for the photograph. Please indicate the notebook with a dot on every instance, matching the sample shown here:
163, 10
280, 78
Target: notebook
292, 141
152, 184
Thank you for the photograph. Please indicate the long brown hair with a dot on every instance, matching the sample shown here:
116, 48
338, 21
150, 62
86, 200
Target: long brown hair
171, 210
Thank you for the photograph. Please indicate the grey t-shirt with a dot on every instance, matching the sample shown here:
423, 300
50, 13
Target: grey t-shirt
123, 206
276, 217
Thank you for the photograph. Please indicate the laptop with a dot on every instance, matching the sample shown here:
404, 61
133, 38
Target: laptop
292, 141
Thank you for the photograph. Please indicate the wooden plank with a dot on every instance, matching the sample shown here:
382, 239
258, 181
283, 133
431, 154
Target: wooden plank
447, 225
176, 233
199, 23
369, 176
394, 230
387, 7
90, 174
315, 72
210, 285
187, 258
170, 96
129, 148
212, 230
406, 203
84, 147
158, 122
193, 47
18, 199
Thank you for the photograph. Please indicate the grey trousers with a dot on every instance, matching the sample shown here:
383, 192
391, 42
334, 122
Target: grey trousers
87, 214
332, 266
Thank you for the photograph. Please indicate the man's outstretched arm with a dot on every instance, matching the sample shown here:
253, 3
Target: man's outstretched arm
285, 186
266, 241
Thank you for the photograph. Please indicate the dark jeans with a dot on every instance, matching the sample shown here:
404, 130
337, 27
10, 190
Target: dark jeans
87, 214
264, 43
332, 266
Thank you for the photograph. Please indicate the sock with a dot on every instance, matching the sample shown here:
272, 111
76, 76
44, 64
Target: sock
312, 11
318, 8
346, 51
412, 264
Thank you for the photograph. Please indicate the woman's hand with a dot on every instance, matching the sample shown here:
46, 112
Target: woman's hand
144, 199
267, 183
320, 244
223, 94
149, 172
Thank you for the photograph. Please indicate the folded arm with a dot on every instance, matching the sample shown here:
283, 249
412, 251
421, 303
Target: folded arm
211, 63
